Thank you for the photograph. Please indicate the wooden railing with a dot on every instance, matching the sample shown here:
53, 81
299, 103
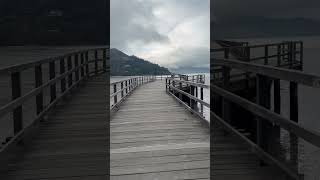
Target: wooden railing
122, 89
285, 54
268, 122
64, 74
187, 93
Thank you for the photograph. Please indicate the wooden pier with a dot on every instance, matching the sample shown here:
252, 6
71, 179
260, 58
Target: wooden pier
152, 136
56, 114
68, 135
246, 110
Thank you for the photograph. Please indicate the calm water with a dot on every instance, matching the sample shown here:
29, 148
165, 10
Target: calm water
309, 101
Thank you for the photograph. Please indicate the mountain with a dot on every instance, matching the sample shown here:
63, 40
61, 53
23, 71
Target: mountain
124, 65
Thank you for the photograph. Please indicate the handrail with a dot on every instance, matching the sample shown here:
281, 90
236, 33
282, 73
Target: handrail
264, 75
307, 134
127, 86
254, 46
255, 148
73, 68
271, 71
174, 87
23, 66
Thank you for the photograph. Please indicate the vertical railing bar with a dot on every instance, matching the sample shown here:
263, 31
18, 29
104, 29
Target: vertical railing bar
69, 64
16, 93
62, 71
52, 75
38, 83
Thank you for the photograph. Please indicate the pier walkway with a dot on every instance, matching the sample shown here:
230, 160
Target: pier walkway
154, 137
70, 143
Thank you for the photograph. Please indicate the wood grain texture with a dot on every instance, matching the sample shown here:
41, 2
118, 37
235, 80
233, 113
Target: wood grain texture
154, 137
232, 159
72, 143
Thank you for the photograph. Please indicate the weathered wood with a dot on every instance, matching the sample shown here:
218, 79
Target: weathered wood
62, 71
152, 134
16, 93
294, 115
305, 133
52, 75
72, 143
38, 83
69, 62
270, 71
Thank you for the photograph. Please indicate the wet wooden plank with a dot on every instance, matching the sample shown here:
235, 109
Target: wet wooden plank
72, 143
154, 137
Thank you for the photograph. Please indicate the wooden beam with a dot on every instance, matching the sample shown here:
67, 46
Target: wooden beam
271, 71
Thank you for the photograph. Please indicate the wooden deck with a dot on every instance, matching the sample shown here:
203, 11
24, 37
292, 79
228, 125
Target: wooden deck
71, 143
154, 137
232, 159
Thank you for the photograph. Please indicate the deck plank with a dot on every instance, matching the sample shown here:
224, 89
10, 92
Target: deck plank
154, 137
71, 143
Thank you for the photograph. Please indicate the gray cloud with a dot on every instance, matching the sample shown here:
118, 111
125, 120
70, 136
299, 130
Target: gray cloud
171, 33
265, 17
124, 29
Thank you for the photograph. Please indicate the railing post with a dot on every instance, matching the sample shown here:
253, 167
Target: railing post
87, 62
129, 84
52, 75
114, 91
266, 54
166, 84
277, 109
180, 94
69, 63
38, 83
201, 97
301, 55
126, 87
82, 63
263, 98
294, 113
96, 61
104, 60
16, 93
121, 89
76, 65
279, 54
191, 100
62, 71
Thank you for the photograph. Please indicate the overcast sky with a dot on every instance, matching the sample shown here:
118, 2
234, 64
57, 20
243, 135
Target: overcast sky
266, 8
172, 33
257, 18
